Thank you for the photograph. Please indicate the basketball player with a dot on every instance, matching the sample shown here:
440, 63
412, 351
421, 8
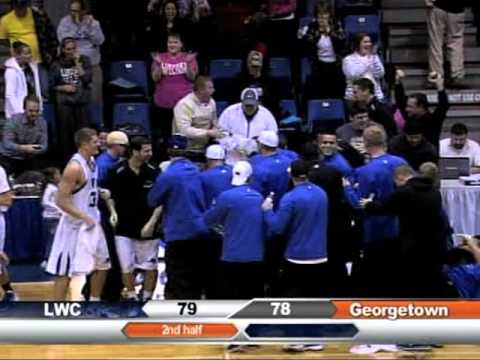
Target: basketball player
6, 199
79, 247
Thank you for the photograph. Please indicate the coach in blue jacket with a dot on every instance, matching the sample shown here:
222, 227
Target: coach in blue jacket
239, 211
302, 217
188, 255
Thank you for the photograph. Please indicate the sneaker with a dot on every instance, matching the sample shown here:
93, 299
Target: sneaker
237, 348
372, 349
10, 296
303, 347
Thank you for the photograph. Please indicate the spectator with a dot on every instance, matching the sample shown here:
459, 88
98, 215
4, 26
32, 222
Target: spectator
464, 271
51, 212
459, 145
203, 29
364, 62
32, 27
239, 211
117, 143
413, 147
280, 26
352, 132
415, 107
25, 139
247, 118
71, 77
325, 44
255, 76
87, 32
102, 139
173, 73
364, 90
217, 178
446, 26
379, 232
422, 242
195, 116
329, 150
21, 79
164, 22
188, 256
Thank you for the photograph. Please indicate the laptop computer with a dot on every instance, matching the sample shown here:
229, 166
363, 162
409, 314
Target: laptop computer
451, 168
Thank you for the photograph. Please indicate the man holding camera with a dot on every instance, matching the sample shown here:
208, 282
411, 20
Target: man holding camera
25, 138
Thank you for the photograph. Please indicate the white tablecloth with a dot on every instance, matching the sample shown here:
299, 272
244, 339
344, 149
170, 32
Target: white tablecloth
462, 205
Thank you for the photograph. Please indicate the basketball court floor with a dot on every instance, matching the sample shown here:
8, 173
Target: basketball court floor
40, 291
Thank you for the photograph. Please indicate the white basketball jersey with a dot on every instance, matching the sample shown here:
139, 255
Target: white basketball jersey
85, 198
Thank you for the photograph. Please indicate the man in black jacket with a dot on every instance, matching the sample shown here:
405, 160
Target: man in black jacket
415, 106
412, 146
364, 91
422, 244
343, 239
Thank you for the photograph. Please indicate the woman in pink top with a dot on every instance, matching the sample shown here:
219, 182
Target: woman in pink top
173, 73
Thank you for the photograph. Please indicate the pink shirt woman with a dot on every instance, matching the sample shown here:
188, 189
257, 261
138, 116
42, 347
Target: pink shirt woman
173, 73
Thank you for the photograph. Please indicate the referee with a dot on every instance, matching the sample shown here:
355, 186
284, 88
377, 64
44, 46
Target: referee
129, 184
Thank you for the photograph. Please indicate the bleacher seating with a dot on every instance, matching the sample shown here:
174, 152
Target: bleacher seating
221, 106
132, 113
281, 75
133, 71
225, 74
325, 113
288, 106
369, 24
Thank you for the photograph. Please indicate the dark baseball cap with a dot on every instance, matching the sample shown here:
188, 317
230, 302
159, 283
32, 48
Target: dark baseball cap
249, 97
299, 168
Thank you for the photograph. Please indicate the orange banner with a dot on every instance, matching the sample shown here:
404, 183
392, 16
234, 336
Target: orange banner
396, 310
179, 330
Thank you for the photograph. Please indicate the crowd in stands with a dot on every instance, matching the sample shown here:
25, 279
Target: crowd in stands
310, 198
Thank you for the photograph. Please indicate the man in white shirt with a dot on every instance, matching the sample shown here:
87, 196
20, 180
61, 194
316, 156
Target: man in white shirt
458, 145
247, 118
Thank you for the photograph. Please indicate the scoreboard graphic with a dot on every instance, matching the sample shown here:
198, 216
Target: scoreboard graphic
262, 321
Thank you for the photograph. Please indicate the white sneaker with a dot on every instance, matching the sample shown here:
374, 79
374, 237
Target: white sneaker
303, 347
372, 349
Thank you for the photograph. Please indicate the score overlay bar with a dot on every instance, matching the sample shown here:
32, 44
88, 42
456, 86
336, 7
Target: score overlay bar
256, 321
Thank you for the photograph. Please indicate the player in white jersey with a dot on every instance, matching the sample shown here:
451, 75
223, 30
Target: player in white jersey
79, 246
6, 199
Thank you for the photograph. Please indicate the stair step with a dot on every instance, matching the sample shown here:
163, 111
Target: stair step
458, 98
412, 16
395, 4
418, 36
419, 55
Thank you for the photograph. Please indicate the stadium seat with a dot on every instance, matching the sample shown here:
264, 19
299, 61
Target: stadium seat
49, 116
356, 7
325, 113
135, 73
369, 24
281, 75
310, 7
288, 106
96, 115
225, 74
221, 105
132, 113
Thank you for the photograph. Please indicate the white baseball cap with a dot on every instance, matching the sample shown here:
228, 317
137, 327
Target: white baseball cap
268, 138
215, 152
241, 172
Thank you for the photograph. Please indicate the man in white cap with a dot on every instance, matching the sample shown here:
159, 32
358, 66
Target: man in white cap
218, 176
247, 118
117, 142
271, 178
270, 167
239, 211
